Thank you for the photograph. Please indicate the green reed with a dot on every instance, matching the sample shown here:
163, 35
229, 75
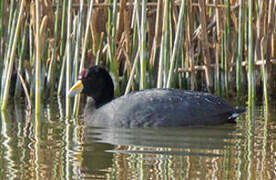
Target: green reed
7, 55
83, 54
68, 58
163, 49
11, 60
162, 44
240, 48
251, 79
177, 42
18, 87
53, 63
143, 46
2, 29
63, 30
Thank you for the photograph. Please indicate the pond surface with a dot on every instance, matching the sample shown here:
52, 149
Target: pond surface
56, 148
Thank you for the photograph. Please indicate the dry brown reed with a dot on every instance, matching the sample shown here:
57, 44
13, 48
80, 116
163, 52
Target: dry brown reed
207, 59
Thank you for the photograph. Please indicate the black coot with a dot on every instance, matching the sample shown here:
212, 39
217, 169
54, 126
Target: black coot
148, 108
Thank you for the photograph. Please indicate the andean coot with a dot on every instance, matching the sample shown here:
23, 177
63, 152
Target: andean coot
148, 108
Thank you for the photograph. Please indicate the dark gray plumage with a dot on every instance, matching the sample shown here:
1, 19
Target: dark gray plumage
152, 107
161, 107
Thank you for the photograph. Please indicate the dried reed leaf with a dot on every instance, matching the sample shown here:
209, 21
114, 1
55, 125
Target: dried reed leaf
98, 24
158, 31
42, 33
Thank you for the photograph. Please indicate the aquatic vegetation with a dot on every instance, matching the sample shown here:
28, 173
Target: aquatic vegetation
145, 44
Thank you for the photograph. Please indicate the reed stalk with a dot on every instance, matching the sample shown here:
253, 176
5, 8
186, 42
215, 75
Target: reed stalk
218, 42
7, 56
136, 27
63, 21
83, 53
12, 15
25, 90
108, 26
98, 55
113, 31
222, 45
78, 40
68, 59
52, 67
38, 60
162, 45
228, 50
2, 30
143, 46
167, 45
251, 76
127, 33
12, 56
224, 63
114, 64
61, 76
29, 75
43, 52
60, 107
271, 47
31, 46
218, 88
205, 46
190, 46
264, 73
62, 44
177, 41
246, 30
240, 48
18, 86
78, 44
131, 76
157, 34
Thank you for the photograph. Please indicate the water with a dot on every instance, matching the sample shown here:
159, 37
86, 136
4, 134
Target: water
55, 148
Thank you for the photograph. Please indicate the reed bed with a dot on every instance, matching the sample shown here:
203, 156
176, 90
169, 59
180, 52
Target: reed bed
200, 45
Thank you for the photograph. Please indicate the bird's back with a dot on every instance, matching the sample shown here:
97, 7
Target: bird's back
162, 107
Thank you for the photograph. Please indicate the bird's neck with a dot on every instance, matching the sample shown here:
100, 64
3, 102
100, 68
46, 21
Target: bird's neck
104, 98
90, 106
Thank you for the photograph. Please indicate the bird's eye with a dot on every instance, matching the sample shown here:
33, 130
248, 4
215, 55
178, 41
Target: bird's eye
83, 74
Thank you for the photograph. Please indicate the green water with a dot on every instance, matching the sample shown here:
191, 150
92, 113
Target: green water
56, 148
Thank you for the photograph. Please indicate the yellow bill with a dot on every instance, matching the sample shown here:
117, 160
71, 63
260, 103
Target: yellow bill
77, 88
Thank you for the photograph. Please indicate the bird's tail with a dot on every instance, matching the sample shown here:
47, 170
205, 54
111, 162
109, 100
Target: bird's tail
239, 111
235, 114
